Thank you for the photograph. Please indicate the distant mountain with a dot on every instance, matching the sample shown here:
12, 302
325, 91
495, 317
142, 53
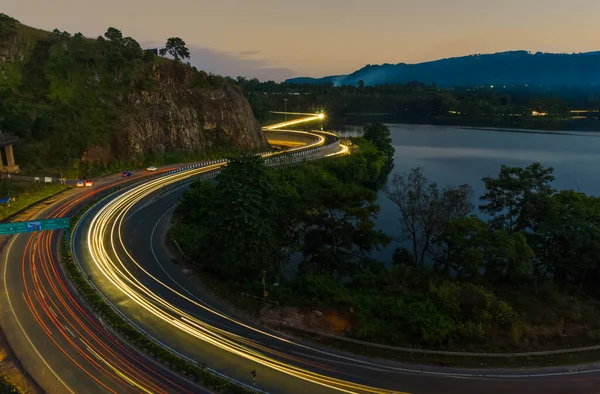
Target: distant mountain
505, 68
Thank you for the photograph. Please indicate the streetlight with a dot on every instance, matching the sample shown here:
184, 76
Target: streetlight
285, 110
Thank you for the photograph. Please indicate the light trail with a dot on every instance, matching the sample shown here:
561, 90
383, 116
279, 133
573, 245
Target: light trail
310, 118
90, 347
106, 224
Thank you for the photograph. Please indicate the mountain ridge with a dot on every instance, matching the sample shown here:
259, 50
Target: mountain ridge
503, 68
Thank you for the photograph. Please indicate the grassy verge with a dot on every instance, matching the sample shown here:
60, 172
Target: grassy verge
230, 294
195, 372
25, 194
7, 388
449, 361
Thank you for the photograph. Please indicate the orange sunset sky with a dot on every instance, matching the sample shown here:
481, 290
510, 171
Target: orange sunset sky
277, 39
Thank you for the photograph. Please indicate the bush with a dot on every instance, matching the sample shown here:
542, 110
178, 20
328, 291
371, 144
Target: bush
476, 310
317, 289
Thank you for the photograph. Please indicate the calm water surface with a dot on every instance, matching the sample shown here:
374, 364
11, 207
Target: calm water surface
451, 156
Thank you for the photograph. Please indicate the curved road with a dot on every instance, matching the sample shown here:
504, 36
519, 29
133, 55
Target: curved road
148, 288
58, 340
120, 243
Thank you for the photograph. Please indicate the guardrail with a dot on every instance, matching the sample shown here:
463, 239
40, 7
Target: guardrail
434, 352
274, 160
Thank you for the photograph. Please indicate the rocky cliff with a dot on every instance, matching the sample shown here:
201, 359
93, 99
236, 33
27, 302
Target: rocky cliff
80, 103
175, 116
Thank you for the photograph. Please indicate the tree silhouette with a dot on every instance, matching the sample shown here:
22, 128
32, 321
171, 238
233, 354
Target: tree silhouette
176, 47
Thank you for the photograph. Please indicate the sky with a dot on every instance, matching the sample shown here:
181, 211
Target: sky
278, 39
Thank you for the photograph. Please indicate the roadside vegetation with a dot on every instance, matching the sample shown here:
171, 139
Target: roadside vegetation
526, 279
8, 388
25, 193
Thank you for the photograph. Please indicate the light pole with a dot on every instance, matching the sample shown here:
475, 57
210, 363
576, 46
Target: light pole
285, 106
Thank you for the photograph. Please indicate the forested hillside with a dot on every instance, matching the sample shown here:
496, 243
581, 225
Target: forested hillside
86, 104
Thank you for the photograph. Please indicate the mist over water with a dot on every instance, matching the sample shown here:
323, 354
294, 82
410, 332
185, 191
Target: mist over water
451, 156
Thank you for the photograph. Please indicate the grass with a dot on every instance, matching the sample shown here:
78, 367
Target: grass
230, 294
25, 194
8, 388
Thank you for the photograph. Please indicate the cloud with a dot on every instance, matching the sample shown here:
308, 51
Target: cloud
249, 53
233, 64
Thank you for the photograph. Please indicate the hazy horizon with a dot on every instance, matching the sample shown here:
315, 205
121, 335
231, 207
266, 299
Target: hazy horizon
271, 39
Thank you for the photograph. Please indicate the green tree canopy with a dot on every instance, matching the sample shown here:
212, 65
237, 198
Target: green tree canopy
566, 238
379, 134
339, 227
470, 249
239, 223
514, 193
176, 47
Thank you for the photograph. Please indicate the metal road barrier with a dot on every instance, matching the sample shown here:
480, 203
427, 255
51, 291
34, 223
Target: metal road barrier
439, 352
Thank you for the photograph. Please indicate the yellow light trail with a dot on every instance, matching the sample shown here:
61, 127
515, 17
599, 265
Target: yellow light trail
108, 222
310, 118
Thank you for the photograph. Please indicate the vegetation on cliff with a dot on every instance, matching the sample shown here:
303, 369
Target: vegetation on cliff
83, 104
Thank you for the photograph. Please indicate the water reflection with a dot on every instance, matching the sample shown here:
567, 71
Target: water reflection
452, 156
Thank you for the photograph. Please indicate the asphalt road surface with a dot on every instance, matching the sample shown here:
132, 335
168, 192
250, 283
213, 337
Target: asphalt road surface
132, 267
57, 339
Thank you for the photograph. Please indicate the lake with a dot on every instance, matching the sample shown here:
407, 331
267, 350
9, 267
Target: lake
451, 156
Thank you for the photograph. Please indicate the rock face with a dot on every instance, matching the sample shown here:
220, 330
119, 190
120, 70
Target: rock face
176, 117
87, 103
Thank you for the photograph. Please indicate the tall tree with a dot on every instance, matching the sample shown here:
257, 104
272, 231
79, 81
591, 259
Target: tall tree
566, 239
176, 47
379, 134
469, 249
241, 223
113, 35
339, 227
514, 193
424, 209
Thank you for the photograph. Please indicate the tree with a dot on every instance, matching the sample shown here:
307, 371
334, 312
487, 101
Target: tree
175, 47
469, 249
60, 61
566, 239
380, 136
513, 195
114, 35
8, 27
240, 226
83, 50
339, 227
424, 209
360, 84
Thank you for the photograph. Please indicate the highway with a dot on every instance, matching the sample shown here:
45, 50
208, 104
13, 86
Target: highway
152, 291
120, 242
56, 337
59, 341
